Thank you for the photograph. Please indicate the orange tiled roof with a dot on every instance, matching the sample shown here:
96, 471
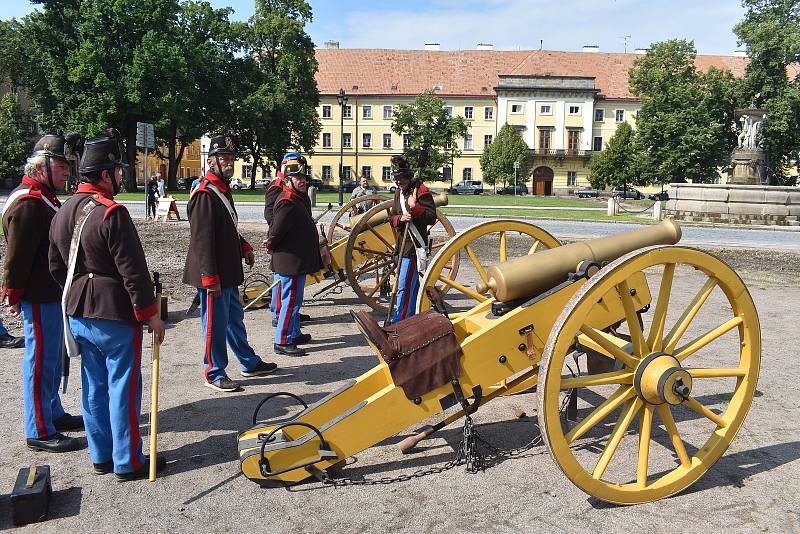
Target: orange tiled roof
475, 72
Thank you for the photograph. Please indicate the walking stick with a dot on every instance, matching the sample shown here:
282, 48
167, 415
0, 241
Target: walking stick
261, 295
396, 280
154, 387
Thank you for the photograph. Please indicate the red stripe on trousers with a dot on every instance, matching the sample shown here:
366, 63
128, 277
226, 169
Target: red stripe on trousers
409, 283
280, 300
209, 325
133, 388
292, 299
38, 363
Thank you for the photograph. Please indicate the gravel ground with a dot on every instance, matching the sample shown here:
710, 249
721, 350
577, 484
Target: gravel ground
752, 488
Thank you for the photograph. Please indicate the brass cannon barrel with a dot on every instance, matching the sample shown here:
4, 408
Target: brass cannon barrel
439, 200
531, 275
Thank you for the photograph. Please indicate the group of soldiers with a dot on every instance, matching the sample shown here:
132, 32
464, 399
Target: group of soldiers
78, 275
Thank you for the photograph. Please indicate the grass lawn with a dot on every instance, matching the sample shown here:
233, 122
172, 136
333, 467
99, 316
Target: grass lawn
546, 214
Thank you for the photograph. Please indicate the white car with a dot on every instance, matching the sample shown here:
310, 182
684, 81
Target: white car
236, 184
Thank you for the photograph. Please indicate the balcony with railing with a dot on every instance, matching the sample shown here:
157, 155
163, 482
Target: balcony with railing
560, 153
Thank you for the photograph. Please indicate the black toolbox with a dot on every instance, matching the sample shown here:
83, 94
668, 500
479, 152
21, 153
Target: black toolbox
31, 496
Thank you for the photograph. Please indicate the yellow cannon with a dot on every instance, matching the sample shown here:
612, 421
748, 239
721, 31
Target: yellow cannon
653, 348
361, 242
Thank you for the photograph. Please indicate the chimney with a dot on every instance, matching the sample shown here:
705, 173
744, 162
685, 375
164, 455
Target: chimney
593, 49
740, 53
433, 47
484, 46
640, 51
333, 45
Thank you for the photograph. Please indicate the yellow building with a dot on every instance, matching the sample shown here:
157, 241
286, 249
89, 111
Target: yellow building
191, 163
566, 105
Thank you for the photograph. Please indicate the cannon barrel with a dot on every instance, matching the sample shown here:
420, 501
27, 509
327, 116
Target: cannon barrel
531, 275
439, 200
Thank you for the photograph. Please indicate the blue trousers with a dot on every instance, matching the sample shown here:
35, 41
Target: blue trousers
41, 366
3, 329
111, 357
288, 328
407, 289
275, 301
223, 321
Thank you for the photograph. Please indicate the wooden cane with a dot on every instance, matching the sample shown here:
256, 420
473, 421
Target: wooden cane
395, 282
154, 387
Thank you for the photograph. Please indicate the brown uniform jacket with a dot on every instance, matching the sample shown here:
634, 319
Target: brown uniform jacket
293, 237
111, 279
26, 225
271, 195
215, 247
423, 215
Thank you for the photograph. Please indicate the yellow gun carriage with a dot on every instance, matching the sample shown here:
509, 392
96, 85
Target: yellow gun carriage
656, 346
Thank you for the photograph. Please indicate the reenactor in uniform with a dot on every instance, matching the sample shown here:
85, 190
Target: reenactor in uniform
96, 254
214, 267
28, 287
294, 243
412, 203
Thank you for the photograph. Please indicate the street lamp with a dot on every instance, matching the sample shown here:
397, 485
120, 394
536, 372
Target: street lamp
516, 166
341, 98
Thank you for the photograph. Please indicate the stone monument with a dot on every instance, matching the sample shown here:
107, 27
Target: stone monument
747, 160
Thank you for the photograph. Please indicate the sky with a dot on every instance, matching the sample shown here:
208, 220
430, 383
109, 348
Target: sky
613, 25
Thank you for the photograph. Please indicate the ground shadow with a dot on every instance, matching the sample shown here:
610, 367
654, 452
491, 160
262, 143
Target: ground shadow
63, 503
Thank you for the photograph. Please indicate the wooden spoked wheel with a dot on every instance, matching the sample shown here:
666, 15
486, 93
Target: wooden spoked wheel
680, 378
370, 261
341, 225
478, 247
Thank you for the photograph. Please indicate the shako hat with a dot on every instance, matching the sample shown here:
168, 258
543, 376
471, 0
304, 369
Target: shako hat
66, 147
296, 167
400, 167
103, 152
222, 144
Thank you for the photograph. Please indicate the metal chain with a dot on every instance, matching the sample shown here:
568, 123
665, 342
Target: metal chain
335, 290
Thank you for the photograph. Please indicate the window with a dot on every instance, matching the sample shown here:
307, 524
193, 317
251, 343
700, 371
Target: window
544, 139
487, 139
545, 109
599, 115
488, 113
247, 172
447, 174
573, 141
448, 111
387, 113
366, 172
326, 140
348, 111
619, 115
326, 172
466, 173
347, 172
366, 140
468, 112
387, 140
347, 140
366, 112
516, 109
572, 178
406, 141
597, 143
386, 174
574, 110
326, 111
468, 142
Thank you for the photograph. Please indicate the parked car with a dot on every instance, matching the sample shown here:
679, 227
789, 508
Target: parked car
661, 195
391, 188
587, 192
349, 186
236, 184
467, 187
314, 182
628, 192
185, 183
521, 189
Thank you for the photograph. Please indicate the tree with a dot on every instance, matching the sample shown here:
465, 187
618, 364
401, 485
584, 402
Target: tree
771, 31
15, 137
497, 160
275, 105
684, 127
15, 61
431, 128
614, 166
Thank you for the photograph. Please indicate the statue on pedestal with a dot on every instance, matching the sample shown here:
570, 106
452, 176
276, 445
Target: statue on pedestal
747, 160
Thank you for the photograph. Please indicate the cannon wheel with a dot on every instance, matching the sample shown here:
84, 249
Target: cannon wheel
704, 325
339, 226
368, 277
439, 275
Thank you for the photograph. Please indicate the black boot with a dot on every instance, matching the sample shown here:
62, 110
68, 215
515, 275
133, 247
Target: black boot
7, 341
143, 471
289, 350
68, 422
54, 443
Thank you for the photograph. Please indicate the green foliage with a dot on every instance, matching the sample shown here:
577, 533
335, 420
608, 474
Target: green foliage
497, 160
614, 165
15, 61
15, 138
771, 31
431, 129
684, 126
275, 101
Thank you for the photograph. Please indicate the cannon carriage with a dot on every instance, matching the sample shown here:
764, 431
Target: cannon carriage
643, 355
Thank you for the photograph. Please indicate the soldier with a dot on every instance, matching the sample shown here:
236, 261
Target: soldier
294, 243
29, 288
96, 254
412, 202
214, 267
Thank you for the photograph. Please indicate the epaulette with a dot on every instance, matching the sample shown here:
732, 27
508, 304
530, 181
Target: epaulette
32, 193
108, 203
202, 187
423, 190
276, 183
